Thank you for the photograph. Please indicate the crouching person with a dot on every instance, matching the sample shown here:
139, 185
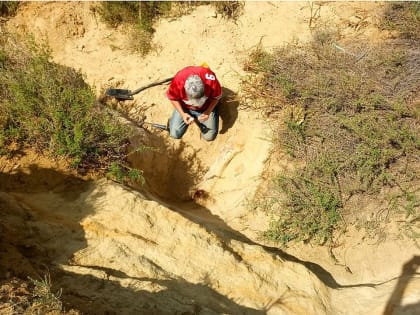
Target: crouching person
194, 92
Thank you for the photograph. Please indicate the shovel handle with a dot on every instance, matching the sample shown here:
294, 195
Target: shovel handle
149, 86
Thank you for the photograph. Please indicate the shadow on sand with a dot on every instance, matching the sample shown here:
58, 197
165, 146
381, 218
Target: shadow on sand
214, 224
394, 305
228, 110
49, 237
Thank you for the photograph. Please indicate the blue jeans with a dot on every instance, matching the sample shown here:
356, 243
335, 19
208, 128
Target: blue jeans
209, 128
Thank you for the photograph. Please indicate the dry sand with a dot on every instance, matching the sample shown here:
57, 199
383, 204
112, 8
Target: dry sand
117, 251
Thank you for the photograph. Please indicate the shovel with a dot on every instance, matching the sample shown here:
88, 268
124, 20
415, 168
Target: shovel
122, 94
158, 126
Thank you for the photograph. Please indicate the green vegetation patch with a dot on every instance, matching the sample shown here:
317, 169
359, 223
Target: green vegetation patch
351, 120
403, 18
140, 16
33, 296
50, 108
8, 8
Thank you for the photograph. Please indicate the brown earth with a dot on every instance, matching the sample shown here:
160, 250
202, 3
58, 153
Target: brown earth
115, 250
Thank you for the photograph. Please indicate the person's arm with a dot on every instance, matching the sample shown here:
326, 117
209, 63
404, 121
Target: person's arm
205, 115
185, 116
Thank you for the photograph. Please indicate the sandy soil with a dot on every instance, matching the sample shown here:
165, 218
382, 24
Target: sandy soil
159, 251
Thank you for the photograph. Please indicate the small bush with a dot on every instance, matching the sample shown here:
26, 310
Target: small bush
45, 301
8, 8
229, 9
115, 13
33, 296
138, 17
123, 173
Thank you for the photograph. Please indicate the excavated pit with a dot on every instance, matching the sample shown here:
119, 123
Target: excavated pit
114, 251
175, 170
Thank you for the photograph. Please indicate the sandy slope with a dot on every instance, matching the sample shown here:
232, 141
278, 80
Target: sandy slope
116, 251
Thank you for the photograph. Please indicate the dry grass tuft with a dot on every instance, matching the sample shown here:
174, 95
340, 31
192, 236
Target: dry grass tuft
349, 115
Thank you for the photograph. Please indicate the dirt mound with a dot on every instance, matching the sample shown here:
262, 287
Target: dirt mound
170, 249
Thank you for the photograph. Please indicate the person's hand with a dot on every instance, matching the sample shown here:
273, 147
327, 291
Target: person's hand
203, 117
187, 119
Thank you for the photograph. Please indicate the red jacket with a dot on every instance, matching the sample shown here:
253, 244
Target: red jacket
212, 88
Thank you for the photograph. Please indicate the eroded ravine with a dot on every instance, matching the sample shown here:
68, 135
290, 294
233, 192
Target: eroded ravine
114, 250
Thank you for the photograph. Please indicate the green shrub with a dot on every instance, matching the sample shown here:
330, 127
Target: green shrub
348, 118
50, 108
123, 173
310, 211
115, 13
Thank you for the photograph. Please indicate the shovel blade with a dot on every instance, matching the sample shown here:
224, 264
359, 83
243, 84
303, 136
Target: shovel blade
120, 94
